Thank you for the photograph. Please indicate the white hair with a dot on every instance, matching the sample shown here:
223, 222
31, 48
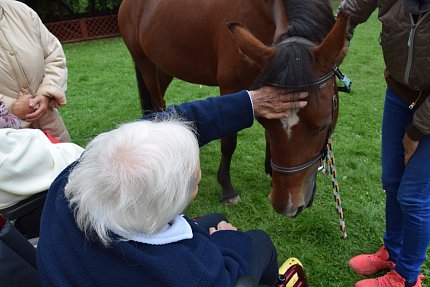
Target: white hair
134, 179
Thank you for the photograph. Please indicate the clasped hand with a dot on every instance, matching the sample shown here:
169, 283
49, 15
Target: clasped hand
222, 225
30, 108
410, 148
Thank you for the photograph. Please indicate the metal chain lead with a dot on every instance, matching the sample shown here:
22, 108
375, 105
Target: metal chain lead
329, 166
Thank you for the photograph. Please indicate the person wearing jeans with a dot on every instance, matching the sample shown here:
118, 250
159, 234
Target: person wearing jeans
404, 40
407, 190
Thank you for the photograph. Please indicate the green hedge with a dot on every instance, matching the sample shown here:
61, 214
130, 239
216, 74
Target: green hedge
69, 9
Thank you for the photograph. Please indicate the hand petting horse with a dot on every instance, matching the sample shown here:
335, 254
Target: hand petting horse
292, 45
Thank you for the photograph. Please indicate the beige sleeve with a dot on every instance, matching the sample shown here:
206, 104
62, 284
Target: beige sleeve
54, 82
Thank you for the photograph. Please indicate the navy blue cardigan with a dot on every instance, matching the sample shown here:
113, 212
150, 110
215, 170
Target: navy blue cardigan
66, 258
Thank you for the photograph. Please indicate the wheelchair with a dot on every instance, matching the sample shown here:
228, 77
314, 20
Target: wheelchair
17, 258
20, 223
25, 215
291, 274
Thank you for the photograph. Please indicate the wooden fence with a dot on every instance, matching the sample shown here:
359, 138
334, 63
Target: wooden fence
85, 28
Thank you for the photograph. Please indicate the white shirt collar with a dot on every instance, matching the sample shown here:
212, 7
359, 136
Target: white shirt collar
178, 229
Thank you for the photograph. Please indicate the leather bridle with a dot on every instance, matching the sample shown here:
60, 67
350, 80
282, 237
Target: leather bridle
297, 168
320, 156
333, 72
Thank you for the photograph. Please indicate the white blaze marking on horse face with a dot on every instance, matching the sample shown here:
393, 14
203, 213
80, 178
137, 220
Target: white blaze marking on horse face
290, 121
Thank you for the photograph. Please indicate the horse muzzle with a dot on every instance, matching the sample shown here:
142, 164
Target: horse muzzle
293, 201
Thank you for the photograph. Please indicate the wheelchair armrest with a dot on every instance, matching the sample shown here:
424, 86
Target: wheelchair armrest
25, 206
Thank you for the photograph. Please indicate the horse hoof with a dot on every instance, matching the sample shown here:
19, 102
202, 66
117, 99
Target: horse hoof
231, 200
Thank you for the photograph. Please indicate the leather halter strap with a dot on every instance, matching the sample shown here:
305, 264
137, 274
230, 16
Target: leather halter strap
322, 154
297, 168
319, 81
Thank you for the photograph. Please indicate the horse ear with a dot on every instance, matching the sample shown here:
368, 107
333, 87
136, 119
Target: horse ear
332, 47
250, 46
279, 17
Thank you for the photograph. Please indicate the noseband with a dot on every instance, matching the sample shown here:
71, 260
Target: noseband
297, 168
318, 157
334, 71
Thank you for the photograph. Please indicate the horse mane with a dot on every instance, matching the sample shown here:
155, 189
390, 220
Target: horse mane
292, 64
310, 19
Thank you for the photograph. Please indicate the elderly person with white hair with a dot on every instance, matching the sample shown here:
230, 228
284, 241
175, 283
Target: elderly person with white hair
115, 216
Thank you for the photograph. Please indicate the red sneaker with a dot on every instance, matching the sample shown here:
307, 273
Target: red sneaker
369, 264
391, 279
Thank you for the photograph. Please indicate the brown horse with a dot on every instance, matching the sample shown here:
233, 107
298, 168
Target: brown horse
241, 44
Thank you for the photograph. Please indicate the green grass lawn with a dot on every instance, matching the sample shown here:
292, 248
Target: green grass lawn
102, 93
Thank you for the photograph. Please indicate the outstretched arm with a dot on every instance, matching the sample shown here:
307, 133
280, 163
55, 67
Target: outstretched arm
216, 117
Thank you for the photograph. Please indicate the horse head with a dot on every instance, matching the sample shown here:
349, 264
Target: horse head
297, 143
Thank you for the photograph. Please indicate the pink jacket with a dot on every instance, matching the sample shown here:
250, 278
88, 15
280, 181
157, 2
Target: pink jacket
7, 120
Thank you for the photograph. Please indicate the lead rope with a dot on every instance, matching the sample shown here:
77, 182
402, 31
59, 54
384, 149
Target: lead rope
330, 167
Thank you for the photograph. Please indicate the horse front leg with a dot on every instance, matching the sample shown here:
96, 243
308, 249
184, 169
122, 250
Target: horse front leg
144, 95
152, 83
228, 146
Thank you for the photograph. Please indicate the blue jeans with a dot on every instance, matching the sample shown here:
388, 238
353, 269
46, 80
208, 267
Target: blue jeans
407, 190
